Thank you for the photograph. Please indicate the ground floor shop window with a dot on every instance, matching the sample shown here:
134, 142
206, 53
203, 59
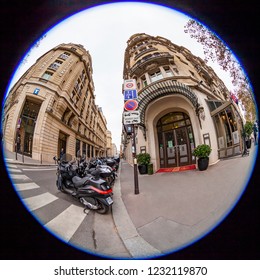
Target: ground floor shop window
77, 147
88, 151
228, 129
62, 143
84, 149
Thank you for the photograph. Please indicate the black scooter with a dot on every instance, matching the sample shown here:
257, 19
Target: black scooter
91, 191
107, 173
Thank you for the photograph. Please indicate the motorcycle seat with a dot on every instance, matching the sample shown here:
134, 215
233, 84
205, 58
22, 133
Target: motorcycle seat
78, 182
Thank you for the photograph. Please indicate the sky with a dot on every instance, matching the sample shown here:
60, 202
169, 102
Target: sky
104, 31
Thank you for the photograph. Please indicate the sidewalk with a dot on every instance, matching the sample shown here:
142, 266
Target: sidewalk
173, 210
25, 160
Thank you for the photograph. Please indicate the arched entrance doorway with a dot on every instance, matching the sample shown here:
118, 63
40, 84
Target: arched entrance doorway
175, 140
26, 126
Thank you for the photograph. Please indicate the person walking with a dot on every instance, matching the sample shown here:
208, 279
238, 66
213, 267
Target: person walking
61, 152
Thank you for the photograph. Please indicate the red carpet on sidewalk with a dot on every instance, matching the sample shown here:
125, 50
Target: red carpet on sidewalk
177, 169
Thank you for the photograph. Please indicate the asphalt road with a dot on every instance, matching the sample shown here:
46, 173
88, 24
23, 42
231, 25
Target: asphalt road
63, 215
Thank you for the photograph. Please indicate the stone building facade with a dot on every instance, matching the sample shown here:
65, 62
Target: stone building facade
182, 103
52, 107
109, 144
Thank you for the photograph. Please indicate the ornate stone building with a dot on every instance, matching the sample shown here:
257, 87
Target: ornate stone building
182, 103
109, 144
52, 106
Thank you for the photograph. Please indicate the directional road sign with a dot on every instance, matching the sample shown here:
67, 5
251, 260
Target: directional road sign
130, 94
131, 117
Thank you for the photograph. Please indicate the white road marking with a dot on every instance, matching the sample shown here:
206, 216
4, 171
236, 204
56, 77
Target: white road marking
10, 165
9, 159
13, 170
39, 201
19, 177
38, 169
67, 223
26, 186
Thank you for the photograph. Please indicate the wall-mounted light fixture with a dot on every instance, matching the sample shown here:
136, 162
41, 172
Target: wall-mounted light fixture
201, 113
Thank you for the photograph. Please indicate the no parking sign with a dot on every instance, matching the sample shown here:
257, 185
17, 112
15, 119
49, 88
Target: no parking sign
131, 105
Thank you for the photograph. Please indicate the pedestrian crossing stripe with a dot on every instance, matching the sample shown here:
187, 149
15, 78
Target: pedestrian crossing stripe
26, 186
20, 177
39, 201
11, 166
9, 159
39, 169
13, 170
67, 222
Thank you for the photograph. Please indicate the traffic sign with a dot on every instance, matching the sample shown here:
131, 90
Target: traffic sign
131, 105
131, 117
132, 114
129, 84
130, 94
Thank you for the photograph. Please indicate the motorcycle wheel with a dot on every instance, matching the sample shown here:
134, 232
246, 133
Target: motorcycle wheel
104, 209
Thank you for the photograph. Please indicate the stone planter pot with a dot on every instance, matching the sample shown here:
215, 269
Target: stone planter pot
142, 169
203, 163
248, 143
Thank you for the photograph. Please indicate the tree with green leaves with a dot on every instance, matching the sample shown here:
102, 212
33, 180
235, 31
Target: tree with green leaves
217, 51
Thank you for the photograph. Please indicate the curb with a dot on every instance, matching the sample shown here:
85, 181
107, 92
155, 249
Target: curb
8, 161
135, 244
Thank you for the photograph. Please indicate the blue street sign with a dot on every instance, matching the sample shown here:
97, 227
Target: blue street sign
36, 91
130, 94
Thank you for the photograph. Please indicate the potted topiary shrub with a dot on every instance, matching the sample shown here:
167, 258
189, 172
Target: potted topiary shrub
202, 152
143, 159
247, 132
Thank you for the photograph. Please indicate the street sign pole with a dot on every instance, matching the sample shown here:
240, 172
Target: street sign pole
132, 116
135, 163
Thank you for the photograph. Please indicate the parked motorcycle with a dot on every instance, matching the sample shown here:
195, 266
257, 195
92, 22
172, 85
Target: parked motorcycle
92, 191
106, 172
113, 163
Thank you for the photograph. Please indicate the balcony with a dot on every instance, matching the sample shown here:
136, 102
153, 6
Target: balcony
139, 67
144, 52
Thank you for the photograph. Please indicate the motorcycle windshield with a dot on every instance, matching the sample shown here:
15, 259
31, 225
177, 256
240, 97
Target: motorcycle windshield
66, 158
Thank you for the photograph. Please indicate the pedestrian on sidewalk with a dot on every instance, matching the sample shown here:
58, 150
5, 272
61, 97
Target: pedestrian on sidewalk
61, 152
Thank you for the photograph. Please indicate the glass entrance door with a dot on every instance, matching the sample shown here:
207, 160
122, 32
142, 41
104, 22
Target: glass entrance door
175, 139
28, 120
169, 143
182, 146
